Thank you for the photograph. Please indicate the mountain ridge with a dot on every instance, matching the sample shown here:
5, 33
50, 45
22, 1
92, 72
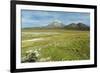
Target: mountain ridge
56, 24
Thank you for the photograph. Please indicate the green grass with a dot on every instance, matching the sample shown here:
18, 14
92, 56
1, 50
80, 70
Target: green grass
64, 46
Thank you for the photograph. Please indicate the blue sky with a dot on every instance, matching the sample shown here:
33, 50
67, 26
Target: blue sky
33, 18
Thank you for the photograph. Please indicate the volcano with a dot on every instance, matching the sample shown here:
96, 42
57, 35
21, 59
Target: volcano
55, 24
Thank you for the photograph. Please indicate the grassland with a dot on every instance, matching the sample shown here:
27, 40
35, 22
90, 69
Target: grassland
54, 45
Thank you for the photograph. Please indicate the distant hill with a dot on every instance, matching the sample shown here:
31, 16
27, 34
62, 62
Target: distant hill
78, 26
55, 24
72, 26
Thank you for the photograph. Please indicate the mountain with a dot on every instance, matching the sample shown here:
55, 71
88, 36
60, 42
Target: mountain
78, 26
73, 26
55, 24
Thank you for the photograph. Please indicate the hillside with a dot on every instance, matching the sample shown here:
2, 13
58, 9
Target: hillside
56, 24
71, 26
78, 26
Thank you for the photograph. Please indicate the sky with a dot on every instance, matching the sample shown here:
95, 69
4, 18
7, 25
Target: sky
34, 18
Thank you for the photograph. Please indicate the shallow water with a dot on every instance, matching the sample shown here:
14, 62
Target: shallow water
35, 39
40, 33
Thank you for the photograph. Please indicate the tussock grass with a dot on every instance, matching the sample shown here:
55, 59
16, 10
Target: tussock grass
65, 46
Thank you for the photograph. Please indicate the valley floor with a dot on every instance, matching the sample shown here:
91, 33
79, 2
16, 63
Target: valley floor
55, 45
